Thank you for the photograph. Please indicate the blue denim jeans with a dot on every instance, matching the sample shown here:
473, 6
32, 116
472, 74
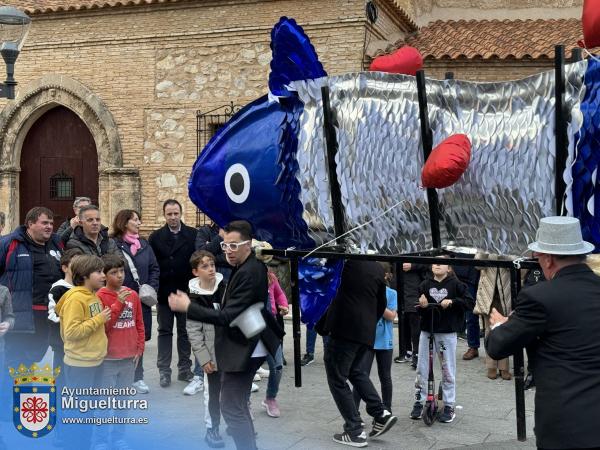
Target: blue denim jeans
472, 330
198, 369
311, 340
275, 372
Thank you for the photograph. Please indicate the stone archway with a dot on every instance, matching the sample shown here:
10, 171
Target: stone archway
119, 187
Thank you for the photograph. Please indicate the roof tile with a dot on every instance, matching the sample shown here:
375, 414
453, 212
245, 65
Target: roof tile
495, 38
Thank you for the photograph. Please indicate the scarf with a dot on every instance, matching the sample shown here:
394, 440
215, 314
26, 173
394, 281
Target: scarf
134, 240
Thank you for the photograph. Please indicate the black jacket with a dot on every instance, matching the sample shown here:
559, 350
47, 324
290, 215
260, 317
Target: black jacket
451, 319
358, 305
248, 285
208, 239
89, 247
173, 257
563, 316
145, 264
412, 280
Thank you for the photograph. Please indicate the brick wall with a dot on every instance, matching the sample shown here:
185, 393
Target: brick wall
155, 66
486, 70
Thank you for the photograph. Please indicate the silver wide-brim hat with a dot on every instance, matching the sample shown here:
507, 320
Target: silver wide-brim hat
560, 236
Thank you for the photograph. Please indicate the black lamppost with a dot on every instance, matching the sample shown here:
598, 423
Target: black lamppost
14, 26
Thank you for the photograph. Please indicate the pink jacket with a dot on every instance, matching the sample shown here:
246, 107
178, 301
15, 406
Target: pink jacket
276, 294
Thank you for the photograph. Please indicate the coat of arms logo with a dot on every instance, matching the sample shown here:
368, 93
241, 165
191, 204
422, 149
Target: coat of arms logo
34, 399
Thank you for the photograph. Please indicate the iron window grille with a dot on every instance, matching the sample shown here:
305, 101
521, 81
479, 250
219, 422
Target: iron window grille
61, 187
207, 124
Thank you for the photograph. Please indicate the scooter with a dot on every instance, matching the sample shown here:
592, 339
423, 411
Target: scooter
431, 409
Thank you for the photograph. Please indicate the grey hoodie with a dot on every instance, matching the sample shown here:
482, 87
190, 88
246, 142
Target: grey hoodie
202, 335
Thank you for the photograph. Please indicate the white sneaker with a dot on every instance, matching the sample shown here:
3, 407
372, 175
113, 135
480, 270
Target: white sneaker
195, 386
262, 372
254, 387
257, 377
141, 387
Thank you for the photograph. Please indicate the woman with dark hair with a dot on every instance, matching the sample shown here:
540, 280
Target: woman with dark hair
126, 228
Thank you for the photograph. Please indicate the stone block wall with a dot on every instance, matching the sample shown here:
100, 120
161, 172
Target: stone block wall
155, 66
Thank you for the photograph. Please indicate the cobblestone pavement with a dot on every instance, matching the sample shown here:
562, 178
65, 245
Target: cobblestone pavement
485, 416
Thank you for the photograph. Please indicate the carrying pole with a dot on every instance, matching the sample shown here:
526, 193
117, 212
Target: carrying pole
518, 363
560, 127
427, 139
296, 333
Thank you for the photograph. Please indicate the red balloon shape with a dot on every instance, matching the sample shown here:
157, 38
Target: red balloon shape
406, 60
447, 162
591, 24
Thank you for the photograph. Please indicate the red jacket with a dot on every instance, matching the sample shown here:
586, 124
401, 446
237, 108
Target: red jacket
125, 329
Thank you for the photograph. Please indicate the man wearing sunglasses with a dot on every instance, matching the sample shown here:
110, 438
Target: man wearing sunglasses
237, 356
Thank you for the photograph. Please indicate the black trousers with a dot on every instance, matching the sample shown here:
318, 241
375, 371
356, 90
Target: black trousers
411, 331
342, 363
235, 389
165, 318
214, 398
147, 317
384, 371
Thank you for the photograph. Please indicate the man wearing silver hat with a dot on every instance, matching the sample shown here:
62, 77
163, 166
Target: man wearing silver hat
561, 317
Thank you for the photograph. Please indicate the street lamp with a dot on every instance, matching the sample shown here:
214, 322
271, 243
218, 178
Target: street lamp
14, 26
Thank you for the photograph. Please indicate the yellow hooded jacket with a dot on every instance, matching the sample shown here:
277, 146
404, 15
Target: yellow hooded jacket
82, 328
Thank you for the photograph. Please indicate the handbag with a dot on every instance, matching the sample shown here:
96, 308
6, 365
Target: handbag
146, 292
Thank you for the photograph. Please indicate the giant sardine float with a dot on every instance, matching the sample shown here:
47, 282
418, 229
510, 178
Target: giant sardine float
268, 164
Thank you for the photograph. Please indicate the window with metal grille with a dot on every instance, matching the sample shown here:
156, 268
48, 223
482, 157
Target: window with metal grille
61, 187
207, 124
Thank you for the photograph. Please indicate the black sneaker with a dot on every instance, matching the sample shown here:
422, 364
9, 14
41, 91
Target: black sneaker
186, 376
352, 441
402, 359
447, 415
213, 438
417, 411
165, 380
414, 362
529, 382
383, 424
307, 359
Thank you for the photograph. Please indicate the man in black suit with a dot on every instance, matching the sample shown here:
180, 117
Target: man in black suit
238, 357
561, 317
350, 322
173, 245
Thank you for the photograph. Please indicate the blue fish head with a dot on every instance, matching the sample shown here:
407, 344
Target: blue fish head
248, 169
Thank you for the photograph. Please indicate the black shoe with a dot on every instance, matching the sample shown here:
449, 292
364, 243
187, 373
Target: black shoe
417, 411
352, 441
447, 415
307, 359
414, 362
165, 380
383, 424
186, 376
213, 439
402, 359
529, 381
284, 360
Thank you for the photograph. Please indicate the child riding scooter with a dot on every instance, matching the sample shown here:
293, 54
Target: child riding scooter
440, 322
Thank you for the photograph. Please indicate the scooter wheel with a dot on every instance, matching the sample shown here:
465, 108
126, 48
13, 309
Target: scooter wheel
430, 413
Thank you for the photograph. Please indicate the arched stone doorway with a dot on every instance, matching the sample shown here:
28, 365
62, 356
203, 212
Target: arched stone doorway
118, 186
60, 151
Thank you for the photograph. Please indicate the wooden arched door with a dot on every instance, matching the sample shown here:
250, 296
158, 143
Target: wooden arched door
58, 163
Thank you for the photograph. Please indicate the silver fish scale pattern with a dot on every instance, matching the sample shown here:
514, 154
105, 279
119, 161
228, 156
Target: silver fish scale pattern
509, 184
498, 202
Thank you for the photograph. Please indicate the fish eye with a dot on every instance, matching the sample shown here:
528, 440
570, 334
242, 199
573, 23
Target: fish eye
237, 183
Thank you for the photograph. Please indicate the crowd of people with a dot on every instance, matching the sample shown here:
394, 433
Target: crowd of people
88, 295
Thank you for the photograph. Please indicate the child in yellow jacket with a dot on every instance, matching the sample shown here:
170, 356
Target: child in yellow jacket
82, 321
